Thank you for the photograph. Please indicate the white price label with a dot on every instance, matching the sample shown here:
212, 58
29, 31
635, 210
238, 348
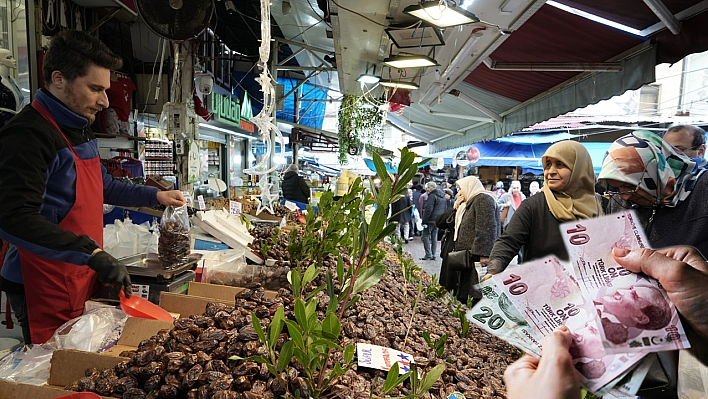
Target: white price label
382, 358
141, 290
202, 204
188, 198
291, 205
234, 208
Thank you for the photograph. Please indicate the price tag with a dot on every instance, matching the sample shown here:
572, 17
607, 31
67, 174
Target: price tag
382, 358
291, 205
141, 290
188, 198
202, 204
234, 208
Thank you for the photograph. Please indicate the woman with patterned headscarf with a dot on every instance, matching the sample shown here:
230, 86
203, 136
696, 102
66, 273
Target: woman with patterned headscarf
666, 188
568, 194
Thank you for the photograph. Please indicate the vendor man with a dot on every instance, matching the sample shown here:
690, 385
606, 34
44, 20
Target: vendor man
52, 190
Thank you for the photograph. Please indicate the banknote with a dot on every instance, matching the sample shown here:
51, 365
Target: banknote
547, 296
495, 314
633, 311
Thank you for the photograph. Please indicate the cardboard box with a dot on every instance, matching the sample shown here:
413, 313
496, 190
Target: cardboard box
14, 390
267, 216
199, 295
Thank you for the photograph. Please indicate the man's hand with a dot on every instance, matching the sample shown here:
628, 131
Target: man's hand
553, 374
171, 198
682, 272
111, 272
483, 260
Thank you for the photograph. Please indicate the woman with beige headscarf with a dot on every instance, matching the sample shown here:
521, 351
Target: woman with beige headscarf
568, 194
472, 223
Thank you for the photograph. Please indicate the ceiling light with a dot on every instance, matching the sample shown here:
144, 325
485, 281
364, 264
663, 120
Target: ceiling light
399, 85
368, 78
423, 35
442, 14
409, 61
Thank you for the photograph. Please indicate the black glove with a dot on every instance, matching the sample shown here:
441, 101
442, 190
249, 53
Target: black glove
111, 272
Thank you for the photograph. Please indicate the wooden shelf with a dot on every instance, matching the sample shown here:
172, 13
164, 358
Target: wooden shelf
116, 136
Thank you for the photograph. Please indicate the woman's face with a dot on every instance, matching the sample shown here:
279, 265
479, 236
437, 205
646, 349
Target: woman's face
556, 173
629, 192
515, 187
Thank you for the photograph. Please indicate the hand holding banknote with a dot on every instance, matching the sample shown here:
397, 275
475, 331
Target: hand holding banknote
683, 273
552, 374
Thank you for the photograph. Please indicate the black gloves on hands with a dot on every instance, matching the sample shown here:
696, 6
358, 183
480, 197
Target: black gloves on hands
111, 272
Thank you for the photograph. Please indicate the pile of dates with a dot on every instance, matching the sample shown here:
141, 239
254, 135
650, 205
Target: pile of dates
265, 234
192, 359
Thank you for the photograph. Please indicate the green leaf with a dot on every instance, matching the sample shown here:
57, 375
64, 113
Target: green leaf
414, 378
380, 166
426, 337
384, 198
430, 378
387, 231
286, 354
340, 271
391, 379
368, 278
296, 281
295, 333
301, 356
330, 325
310, 274
301, 314
258, 328
315, 292
352, 301
276, 326
348, 354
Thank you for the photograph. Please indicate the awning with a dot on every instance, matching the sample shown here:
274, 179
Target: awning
518, 99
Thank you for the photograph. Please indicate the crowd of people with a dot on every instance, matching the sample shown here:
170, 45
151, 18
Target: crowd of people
661, 177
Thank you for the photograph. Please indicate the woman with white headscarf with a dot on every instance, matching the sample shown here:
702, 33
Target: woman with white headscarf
473, 224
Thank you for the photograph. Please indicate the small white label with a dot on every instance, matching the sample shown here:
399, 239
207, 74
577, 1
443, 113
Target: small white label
382, 358
188, 198
283, 223
234, 208
141, 290
202, 204
291, 205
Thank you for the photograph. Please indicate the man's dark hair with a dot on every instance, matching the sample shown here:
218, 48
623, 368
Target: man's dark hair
73, 52
699, 135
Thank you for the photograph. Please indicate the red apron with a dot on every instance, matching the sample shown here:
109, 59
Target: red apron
56, 291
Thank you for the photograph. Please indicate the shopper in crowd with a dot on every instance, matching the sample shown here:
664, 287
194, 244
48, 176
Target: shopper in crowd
449, 198
53, 187
401, 213
687, 139
499, 190
452, 186
667, 190
534, 188
510, 202
294, 187
434, 205
682, 272
568, 194
473, 224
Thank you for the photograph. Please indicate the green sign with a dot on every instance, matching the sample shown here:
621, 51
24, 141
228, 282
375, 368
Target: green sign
228, 110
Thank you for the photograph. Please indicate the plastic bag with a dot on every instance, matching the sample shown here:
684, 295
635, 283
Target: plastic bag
124, 238
174, 242
693, 377
417, 219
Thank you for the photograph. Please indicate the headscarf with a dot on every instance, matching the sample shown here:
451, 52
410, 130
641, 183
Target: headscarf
645, 160
470, 186
578, 199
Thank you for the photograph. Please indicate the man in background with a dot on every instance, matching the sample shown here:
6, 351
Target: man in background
294, 187
688, 139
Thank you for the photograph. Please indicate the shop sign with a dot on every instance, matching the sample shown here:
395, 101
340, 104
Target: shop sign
228, 110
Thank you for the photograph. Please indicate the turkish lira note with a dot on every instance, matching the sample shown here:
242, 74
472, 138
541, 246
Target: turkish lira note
632, 310
547, 296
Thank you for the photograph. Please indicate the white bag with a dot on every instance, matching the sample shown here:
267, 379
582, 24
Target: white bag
692, 378
417, 219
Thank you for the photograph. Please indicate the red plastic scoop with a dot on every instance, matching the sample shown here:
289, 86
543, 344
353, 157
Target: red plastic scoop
140, 307
81, 395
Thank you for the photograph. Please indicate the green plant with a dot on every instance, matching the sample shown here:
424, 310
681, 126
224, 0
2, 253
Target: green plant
437, 345
359, 126
419, 386
339, 231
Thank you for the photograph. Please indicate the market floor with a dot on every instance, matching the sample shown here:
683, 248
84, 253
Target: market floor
415, 248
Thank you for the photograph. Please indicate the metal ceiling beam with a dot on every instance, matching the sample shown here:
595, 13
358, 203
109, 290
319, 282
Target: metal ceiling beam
291, 56
305, 68
659, 8
442, 129
554, 66
458, 116
408, 132
469, 100
681, 16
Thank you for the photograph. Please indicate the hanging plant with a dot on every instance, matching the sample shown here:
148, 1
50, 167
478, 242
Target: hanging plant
360, 126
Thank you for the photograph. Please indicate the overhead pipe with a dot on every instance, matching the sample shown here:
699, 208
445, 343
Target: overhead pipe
659, 8
554, 66
442, 129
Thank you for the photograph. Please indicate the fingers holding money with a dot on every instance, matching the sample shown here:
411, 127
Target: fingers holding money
553, 374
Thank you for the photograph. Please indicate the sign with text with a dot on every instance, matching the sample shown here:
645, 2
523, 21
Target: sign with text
228, 109
382, 358
234, 208
202, 204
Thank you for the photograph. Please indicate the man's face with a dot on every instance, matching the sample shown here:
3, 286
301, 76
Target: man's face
587, 343
86, 95
625, 304
682, 140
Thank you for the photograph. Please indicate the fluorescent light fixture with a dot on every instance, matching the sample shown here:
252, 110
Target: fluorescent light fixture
594, 17
399, 85
424, 35
368, 78
442, 14
409, 61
